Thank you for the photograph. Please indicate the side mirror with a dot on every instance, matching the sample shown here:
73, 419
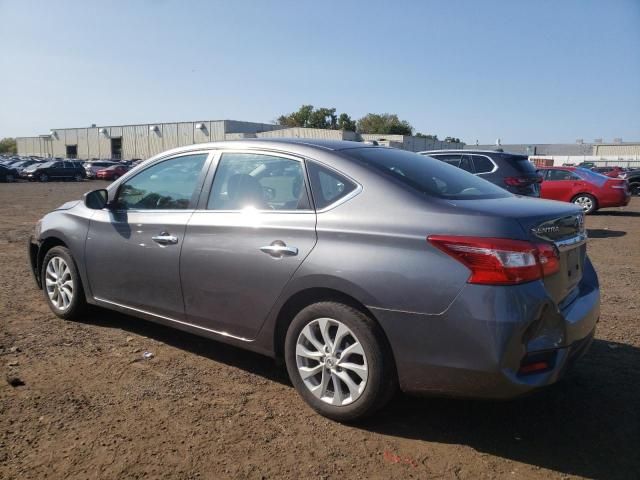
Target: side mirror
97, 199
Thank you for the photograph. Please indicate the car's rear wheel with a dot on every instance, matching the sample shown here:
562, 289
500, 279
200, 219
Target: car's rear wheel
634, 188
77, 177
339, 362
62, 285
43, 177
586, 202
115, 177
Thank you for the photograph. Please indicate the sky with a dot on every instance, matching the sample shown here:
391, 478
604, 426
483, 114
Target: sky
522, 71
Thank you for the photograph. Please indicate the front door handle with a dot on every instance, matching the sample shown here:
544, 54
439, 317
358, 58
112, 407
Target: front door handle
165, 239
279, 249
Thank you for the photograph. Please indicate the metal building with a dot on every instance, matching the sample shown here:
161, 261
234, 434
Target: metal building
129, 142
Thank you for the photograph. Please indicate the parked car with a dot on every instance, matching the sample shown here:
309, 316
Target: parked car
514, 173
113, 172
91, 168
363, 267
633, 177
585, 188
20, 166
7, 174
54, 170
613, 172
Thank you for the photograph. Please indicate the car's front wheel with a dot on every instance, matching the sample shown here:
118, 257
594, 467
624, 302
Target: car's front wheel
586, 202
43, 177
339, 361
62, 285
10, 178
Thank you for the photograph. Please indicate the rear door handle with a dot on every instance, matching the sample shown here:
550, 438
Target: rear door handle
165, 239
279, 249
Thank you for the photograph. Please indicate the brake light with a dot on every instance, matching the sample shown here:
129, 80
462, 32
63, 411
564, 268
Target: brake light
522, 181
499, 261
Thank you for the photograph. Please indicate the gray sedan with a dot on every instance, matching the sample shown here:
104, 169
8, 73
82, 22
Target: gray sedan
365, 268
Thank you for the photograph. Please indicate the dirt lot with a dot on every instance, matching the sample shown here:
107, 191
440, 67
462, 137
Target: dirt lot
90, 407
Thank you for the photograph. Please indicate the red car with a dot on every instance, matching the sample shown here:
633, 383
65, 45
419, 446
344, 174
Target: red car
587, 189
112, 173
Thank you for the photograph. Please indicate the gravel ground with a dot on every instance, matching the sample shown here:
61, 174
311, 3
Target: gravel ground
91, 407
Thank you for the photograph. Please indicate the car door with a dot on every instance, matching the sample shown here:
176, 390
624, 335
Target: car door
560, 184
254, 227
133, 248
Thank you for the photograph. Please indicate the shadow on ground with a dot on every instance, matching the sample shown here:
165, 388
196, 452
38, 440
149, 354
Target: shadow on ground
604, 233
616, 213
587, 425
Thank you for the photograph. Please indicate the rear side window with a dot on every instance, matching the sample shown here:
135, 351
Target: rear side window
558, 175
482, 164
426, 175
254, 180
327, 186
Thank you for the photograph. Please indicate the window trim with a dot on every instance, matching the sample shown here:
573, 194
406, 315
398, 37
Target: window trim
194, 197
213, 170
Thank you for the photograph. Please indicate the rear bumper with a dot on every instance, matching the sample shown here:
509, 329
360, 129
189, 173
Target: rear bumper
476, 348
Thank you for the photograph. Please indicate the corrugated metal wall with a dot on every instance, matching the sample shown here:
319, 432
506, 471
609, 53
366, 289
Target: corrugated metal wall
137, 140
617, 149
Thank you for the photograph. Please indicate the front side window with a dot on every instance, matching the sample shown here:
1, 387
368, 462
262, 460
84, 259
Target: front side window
263, 182
426, 175
168, 185
466, 163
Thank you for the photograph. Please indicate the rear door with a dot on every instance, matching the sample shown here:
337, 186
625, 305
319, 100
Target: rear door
560, 184
254, 227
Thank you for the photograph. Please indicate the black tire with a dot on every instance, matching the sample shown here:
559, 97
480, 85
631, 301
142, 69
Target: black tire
43, 177
78, 304
634, 188
584, 199
10, 178
115, 177
77, 177
381, 382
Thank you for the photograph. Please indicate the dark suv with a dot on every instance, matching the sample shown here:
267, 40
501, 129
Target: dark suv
512, 172
54, 170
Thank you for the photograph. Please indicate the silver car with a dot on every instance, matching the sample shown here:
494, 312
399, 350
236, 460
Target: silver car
365, 268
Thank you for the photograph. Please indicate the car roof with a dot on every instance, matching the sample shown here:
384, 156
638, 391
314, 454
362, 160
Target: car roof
276, 144
467, 150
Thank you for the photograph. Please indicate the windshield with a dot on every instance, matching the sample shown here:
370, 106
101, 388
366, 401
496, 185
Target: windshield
427, 175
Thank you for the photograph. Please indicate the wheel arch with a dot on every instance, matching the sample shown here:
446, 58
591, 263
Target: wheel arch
308, 296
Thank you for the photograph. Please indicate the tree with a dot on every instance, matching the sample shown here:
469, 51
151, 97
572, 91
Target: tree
452, 140
308, 117
345, 123
384, 123
428, 137
8, 145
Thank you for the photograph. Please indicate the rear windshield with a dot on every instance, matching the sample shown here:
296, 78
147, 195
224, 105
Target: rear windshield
426, 175
591, 176
522, 164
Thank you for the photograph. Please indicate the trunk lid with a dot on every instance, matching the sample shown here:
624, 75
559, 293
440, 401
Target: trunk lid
546, 221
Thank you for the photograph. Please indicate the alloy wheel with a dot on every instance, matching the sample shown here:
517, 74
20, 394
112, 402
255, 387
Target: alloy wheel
585, 203
59, 283
331, 361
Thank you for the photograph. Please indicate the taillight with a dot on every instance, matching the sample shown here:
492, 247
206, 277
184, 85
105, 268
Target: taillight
522, 181
499, 261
